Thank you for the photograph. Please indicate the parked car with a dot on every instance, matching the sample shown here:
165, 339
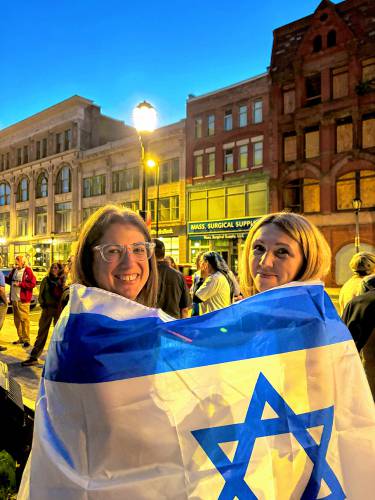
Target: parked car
187, 271
34, 299
40, 272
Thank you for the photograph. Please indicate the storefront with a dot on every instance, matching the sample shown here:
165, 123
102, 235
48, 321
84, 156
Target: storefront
224, 236
173, 238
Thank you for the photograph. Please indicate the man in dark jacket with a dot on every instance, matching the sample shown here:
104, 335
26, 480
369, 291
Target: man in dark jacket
173, 294
22, 281
359, 317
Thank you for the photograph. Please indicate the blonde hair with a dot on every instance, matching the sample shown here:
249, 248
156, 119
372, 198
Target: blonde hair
91, 233
362, 263
315, 250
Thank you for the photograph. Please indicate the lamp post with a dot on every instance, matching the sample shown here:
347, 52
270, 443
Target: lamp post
154, 164
144, 117
357, 204
52, 244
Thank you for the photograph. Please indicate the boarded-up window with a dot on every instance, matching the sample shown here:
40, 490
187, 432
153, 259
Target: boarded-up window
344, 137
368, 69
340, 83
290, 147
216, 204
368, 132
359, 184
302, 195
289, 101
312, 143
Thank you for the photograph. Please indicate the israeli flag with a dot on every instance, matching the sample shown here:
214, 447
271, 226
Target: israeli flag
266, 399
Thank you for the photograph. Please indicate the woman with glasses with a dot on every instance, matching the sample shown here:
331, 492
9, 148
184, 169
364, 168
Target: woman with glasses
115, 253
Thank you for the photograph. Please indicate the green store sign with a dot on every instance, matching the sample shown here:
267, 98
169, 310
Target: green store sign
221, 226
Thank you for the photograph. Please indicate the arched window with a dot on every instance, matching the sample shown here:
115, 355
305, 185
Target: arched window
4, 194
358, 184
331, 39
317, 43
64, 181
42, 186
302, 195
23, 190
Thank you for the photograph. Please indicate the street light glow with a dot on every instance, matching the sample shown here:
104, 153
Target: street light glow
144, 117
151, 163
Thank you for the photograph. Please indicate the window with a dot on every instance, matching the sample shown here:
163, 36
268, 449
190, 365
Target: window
242, 121
243, 161
63, 217
344, 135
340, 83
290, 146
133, 205
22, 222
198, 166
41, 220
228, 120
44, 148
38, 150
211, 125
359, 184
289, 101
86, 212
313, 89
94, 186
258, 153
168, 206
64, 181
368, 69
211, 164
67, 139
25, 154
302, 196
198, 128
169, 171
42, 186
258, 111
228, 160
23, 190
317, 43
216, 204
198, 205
312, 142
4, 194
331, 39
4, 224
368, 131
19, 156
58, 139
236, 202
125, 180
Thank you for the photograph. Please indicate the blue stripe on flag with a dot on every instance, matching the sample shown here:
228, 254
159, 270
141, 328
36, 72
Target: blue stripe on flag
96, 348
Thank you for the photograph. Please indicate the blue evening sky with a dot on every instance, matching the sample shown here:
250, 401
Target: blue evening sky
118, 52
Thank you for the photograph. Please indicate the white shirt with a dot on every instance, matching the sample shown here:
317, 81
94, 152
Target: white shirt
214, 292
15, 291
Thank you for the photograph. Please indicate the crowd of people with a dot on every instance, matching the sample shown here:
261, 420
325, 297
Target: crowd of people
115, 252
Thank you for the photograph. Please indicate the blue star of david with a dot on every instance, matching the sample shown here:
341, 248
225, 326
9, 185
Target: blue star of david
254, 427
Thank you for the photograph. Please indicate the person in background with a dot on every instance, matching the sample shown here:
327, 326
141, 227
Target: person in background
3, 301
51, 289
359, 317
280, 248
22, 281
67, 282
197, 281
217, 288
362, 264
173, 294
171, 262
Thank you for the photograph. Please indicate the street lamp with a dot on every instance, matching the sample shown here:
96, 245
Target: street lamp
357, 204
144, 117
154, 164
52, 241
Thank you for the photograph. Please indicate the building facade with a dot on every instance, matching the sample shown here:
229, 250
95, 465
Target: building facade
58, 166
227, 166
323, 113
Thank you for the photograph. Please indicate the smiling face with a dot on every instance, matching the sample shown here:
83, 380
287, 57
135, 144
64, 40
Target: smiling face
275, 258
129, 275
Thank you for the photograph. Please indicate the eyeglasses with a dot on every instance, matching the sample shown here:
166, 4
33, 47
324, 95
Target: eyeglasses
110, 252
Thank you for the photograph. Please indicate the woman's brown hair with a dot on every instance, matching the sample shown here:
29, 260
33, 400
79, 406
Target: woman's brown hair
91, 233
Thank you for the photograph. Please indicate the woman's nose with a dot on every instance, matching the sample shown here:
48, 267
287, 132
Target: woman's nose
267, 259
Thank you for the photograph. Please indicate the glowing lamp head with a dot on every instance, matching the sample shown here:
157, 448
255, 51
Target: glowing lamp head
151, 163
357, 203
144, 117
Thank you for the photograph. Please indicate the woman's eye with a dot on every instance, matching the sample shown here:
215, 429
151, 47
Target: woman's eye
282, 251
258, 248
139, 250
114, 250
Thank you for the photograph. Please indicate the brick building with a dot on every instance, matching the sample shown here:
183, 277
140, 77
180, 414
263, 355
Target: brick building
323, 113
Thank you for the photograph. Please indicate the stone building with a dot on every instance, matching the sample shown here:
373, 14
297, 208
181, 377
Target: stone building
59, 165
323, 113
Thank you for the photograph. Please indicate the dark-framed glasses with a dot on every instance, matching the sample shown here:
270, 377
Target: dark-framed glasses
111, 252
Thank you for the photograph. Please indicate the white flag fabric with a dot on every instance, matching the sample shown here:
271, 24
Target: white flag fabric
265, 399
